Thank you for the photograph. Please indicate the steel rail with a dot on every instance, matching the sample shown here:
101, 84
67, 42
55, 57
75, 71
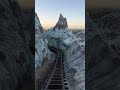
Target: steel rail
56, 80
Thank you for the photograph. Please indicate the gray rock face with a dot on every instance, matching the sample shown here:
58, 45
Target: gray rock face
81, 34
110, 22
73, 49
74, 55
38, 24
62, 23
16, 58
111, 28
43, 57
103, 56
41, 49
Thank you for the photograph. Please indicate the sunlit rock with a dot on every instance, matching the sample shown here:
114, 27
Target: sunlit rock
41, 49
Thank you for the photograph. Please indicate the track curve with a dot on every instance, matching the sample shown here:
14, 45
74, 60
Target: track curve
56, 79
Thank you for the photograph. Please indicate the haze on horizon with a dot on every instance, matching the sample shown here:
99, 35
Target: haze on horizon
48, 12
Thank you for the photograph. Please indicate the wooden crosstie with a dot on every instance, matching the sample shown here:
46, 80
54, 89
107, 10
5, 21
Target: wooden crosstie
56, 80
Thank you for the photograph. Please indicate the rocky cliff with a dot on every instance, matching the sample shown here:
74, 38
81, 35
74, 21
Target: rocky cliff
41, 49
43, 57
16, 58
74, 53
102, 53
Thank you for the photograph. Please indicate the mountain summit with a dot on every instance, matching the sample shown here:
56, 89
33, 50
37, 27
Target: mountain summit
62, 23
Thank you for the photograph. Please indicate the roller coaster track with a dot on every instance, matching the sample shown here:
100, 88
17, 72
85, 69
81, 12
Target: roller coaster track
56, 79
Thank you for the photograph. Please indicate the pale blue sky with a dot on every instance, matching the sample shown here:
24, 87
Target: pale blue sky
48, 12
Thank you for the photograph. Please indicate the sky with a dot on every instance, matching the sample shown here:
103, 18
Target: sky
48, 12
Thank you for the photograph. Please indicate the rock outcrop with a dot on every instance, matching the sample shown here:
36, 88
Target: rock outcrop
62, 23
16, 58
102, 53
43, 57
41, 49
38, 25
81, 36
74, 54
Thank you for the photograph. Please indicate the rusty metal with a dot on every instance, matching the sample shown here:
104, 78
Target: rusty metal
56, 79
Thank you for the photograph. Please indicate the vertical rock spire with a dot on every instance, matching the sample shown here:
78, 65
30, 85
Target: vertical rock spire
61, 16
62, 22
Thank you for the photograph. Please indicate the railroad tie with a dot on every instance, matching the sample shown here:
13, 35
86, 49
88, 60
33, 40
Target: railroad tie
56, 79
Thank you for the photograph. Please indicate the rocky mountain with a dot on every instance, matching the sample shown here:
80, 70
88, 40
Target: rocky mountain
43, 57
80, 34
102, 53
74, 53
41, 49
62, 23
16, 58
38, 25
